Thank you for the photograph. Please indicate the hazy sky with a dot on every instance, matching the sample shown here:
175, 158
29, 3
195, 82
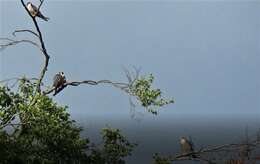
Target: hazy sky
205, 54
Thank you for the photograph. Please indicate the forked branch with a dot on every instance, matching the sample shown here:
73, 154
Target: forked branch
44, 51
30, 31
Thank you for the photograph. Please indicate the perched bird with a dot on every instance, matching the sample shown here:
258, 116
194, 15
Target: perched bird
58, 81
186, 146
34, 11
245, 151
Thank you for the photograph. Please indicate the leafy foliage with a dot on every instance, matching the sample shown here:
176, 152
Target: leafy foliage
34, 129
150, 98
116, 147
158, 159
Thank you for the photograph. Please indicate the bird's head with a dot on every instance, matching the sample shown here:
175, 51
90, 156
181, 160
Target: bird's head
183, 140
63, 76
29, 3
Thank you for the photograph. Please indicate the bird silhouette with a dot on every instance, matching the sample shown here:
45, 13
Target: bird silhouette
58, 81
34, 11
186, 146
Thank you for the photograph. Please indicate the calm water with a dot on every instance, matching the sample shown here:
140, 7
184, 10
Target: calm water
162, 135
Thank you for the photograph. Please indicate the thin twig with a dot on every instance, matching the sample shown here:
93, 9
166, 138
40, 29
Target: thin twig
17, 79
30, 31
14, 42
41, 2
6, 123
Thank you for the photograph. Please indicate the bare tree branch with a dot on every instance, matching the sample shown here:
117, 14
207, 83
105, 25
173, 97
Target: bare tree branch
41, 46
132, 76
39, 7
30, 31
12, 42
122, 86
44, 51
220, 148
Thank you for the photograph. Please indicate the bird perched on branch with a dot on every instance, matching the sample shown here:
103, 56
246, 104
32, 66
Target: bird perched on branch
58, 81
245, 151
186, 146
34, 11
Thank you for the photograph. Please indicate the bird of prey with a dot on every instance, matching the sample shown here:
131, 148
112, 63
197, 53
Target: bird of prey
58, 81
34, 11
245, 151
186, 146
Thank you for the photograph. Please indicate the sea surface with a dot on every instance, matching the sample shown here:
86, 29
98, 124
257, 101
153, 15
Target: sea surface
162, 135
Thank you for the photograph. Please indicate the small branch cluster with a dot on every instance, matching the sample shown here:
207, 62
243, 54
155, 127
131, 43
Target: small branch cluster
41, 46
11, 42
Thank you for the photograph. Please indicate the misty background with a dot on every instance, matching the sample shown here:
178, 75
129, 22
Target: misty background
204, 54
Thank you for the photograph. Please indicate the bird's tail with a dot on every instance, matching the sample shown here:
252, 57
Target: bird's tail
45, 18
42, 16
193, 156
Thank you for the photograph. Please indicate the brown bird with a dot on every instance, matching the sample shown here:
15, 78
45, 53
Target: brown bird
186, 146
58, 81
34, 11
245, 151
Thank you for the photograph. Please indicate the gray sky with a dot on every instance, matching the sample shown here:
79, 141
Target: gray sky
204, 54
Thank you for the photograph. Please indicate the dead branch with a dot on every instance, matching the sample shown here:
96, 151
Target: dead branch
126, 87
12, 42
122, 86
44, 51
132, 76
41, 46
39, 7
30, 31
221, 148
